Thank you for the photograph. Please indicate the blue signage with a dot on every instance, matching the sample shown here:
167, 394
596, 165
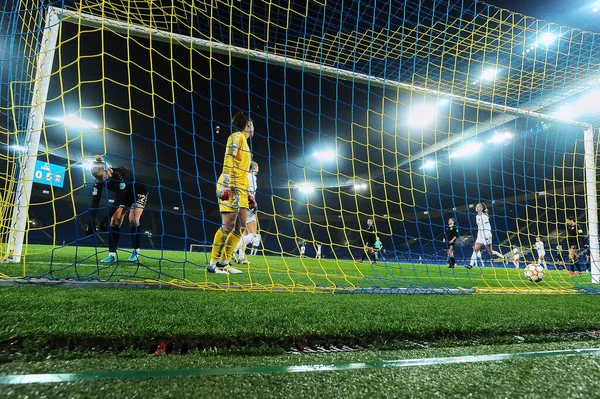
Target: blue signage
49, 174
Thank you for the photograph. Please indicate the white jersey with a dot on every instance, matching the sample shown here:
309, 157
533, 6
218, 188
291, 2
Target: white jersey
484, 229
251, 184
539, 246
318, 249
516, 254
483, 223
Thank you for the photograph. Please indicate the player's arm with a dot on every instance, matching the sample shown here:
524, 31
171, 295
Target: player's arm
224, 181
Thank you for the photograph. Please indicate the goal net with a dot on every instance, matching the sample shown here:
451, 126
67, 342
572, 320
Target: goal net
408, 116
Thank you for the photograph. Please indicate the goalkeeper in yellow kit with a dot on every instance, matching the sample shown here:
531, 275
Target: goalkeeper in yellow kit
232, 191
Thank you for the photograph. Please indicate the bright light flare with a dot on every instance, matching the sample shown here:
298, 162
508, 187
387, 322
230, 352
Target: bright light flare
326, 155
76, 122
546, 39
489, 74
587, 104
429, 164
87, 164
360, 186
306, 188
20, 148
500, 137
422, 115
467, 149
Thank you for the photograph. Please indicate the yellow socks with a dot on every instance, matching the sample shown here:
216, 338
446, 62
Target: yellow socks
219, 242
231, 243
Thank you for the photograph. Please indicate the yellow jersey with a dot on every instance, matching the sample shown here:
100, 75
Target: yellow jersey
237, 160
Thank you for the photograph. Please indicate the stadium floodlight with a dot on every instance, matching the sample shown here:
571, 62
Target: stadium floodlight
360, 186
86, 164
423, 114
467, 149
500, 137
326, 155
489, 74
76, 122
429, 164
546, 39
306, 188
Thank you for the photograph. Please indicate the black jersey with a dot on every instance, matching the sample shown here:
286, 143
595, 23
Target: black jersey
572, 235
369, 236
451, 233
123, 183
572, 230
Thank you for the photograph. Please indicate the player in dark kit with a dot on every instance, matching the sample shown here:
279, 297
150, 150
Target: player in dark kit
131, 195
368, 240
573, 243
450, 239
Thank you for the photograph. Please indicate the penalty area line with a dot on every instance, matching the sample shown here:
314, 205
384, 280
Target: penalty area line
145, 374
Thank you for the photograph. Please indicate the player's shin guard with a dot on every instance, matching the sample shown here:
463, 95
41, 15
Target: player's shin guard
113, 241
230, 244
218, 245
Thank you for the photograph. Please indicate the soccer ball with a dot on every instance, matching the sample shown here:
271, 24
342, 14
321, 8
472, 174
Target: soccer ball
534, 273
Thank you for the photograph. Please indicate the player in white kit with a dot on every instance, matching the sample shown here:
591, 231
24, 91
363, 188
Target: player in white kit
541, 251
484, 235
251, 230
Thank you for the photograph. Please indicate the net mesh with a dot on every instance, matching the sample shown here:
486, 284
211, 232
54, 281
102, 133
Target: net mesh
406, 115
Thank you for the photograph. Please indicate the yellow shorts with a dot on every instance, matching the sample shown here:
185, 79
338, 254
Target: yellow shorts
238, 200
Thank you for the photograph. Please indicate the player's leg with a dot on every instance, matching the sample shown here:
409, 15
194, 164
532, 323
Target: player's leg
572, 258
136, 232
234, 238
248, 237
474, 255
228, 235
116, 221
491, 250
228, 221
365, 254
135, 213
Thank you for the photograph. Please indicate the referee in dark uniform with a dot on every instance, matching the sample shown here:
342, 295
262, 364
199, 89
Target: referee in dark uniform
450, 239
368, 240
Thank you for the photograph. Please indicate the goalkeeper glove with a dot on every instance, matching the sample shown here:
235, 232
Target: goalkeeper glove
223, 190
251, 202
